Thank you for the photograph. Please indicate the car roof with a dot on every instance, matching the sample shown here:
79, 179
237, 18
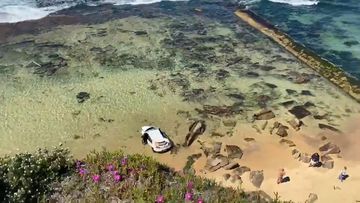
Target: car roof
155, 134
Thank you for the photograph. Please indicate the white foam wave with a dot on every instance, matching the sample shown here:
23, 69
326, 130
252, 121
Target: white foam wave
12, 11
297, 2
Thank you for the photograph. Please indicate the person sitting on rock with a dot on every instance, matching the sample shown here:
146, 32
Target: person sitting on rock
315, 160
343, 174
281, 178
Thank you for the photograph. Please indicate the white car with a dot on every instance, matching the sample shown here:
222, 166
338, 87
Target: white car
157, 139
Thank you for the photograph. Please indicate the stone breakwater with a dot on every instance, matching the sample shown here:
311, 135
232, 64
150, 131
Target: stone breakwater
322, 66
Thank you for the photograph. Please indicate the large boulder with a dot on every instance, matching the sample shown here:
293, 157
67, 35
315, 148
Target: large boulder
296, 153
256, 178
235, 178
233, 151
264, 115
305, 157
295, 123
327, 162
217, 162
312, 198
196, 128
259, 196
241, 170
329, 148
282, 131
231, 166
211, 149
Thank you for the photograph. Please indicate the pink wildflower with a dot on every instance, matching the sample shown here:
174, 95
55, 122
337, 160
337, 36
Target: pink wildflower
160, 199
200, 200
82, 171
188, 196
190, 185
110, 167
96, 178
117, 178
124, 161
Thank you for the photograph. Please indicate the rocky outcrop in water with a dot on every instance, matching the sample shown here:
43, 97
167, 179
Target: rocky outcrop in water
197, 128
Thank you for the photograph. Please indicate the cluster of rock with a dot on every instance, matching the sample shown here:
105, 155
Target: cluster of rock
326, 150
216, 161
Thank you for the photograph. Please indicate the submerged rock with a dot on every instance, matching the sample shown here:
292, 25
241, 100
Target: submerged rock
328, 127
194, 95
306, 93
299, 78
238, 96
299, 112
291, 92
222, 74
287, 104
320, 117
82, 97
220, 110
229, 123
351, 43
264, 115
262, 100
252, 74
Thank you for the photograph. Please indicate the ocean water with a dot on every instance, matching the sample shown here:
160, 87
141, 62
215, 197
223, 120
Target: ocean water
329, 27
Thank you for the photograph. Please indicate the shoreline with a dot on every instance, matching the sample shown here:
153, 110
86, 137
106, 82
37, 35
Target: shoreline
322, 66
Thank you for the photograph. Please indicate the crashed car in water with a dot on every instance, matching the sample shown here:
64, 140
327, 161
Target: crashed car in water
156, 139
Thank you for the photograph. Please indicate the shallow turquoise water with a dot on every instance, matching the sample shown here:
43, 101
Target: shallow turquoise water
331, 28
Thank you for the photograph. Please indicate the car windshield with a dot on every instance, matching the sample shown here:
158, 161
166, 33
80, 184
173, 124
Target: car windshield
151, 128
163, 134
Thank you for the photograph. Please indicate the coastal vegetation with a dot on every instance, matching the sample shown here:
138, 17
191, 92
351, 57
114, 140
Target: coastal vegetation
53, 175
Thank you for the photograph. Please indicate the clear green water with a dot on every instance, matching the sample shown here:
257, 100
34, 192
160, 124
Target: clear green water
331, 28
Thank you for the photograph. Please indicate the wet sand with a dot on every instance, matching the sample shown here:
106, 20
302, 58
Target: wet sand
167, 75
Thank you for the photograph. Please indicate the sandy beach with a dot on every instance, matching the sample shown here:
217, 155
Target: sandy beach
169, 70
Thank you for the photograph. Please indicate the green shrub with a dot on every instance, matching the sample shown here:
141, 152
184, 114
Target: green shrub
142, 180
26, 177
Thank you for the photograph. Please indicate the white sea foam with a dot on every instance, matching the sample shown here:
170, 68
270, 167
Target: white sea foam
12, 11
297, 2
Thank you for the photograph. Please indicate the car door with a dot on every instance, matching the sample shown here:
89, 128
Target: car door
149, 141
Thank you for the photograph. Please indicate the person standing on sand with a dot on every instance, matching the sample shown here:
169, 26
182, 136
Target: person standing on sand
343, 174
